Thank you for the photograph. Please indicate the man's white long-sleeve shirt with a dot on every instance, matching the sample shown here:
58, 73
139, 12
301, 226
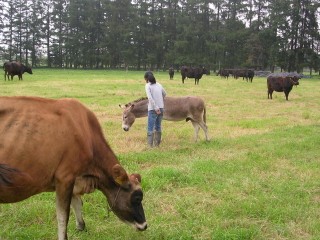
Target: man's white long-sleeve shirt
155, 93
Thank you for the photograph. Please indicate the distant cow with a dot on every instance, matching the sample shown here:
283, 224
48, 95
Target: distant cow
171, 73
15, 68
281, 84
250, 75
58, 145
190, 72
223, 73
244, 73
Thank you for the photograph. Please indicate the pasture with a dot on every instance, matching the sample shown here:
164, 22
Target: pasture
258, 177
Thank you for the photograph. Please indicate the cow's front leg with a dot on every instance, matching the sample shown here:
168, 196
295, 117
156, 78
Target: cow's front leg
63, 201
76, 204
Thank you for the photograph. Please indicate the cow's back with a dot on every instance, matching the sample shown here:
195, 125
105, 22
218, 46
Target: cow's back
275, 83
13, 67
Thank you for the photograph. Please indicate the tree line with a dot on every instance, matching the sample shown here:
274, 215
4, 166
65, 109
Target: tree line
156, 34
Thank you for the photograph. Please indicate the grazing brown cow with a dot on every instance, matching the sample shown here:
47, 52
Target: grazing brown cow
283, 83
58, 145
15, 68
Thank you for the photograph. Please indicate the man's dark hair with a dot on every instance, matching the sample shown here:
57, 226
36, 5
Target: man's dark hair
149, 75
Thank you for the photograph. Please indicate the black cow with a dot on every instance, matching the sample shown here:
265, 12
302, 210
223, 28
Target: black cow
190, 72
15, 68
223, 73
250, 75
247, 74
281, 84
171, 73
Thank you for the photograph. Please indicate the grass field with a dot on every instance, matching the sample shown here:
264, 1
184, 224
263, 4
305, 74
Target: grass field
258, 177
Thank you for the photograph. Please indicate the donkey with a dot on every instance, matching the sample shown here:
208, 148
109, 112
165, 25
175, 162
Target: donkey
190, 108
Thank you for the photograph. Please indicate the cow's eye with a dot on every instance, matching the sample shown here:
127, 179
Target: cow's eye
136, 197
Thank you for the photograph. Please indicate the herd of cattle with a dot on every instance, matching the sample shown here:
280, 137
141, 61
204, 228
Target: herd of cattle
281, 82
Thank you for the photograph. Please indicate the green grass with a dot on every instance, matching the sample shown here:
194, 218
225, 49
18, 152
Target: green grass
258, 177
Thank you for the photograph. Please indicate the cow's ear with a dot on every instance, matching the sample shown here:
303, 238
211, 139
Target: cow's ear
122, 106
120, 176
135, 177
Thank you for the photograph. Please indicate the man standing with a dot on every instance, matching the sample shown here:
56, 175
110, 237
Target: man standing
155, 93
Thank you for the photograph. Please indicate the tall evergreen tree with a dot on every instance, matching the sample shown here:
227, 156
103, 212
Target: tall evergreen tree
9, 16
159, 33
119, 16
36, 26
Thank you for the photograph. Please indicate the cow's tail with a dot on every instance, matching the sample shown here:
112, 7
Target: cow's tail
6, 174
204, 114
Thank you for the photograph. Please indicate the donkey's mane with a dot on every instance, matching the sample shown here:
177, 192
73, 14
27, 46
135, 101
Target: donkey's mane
138, 100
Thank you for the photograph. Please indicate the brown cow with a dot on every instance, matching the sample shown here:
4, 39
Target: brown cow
58, 145
282, 83
15, 68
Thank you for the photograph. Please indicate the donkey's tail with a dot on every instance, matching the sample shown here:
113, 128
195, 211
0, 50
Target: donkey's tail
204, 115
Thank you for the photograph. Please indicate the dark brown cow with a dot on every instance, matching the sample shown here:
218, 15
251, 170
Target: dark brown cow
15, 68
223, 73
250, 75
171, 73
190, 72
247, 74
281, 84
58, 145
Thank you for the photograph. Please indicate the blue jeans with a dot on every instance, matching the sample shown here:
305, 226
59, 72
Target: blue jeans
154, 121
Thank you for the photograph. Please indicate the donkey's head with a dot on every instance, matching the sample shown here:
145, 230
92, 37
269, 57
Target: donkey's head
128, 117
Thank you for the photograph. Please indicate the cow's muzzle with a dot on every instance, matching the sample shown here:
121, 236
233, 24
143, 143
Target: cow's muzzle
142, 226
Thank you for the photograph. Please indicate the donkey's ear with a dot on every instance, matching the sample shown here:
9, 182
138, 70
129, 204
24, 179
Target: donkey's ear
122, 106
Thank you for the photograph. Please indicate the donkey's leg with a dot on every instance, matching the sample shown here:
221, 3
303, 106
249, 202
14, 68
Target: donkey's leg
205, 129
196, 130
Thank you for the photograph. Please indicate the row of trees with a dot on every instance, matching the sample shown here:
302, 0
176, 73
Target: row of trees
160, 33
